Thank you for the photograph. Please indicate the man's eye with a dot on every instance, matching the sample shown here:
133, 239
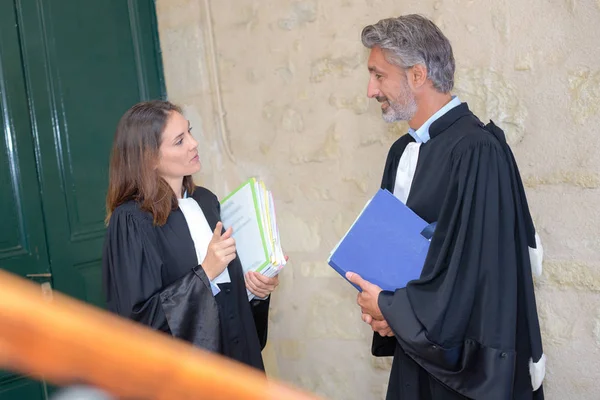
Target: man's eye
378, 77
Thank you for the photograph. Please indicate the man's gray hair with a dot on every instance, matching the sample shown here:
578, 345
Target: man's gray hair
410, 40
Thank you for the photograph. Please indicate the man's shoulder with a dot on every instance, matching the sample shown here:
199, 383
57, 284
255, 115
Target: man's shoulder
470, 133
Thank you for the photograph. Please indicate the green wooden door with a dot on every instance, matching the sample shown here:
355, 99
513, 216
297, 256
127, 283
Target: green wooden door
71, 68
23, 248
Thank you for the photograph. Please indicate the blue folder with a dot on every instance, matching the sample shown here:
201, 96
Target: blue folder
386, 245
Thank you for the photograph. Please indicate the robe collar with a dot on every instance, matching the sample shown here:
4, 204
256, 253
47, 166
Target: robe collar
422, 135
207, 206
448, 119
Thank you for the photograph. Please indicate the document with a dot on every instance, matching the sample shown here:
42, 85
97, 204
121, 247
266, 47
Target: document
250, 211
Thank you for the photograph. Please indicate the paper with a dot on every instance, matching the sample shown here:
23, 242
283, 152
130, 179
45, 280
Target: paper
250, 211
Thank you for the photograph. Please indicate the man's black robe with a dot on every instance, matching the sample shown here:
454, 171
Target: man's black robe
151, 275
468, 326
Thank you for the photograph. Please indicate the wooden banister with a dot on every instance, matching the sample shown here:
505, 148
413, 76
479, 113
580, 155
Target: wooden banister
66, 341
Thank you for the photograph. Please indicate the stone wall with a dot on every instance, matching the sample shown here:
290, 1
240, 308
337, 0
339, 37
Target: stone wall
278, 90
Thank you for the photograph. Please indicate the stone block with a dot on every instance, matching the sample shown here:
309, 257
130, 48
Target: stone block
491, 96
318, 270
336, 315
297, 233
572, 274
301, 13
585, 94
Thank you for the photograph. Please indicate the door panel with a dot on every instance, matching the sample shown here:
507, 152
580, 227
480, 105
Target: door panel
22, 239
21, 389
87, 62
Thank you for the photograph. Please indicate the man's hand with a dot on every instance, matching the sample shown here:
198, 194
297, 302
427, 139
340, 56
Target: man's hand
380, 327
367, 299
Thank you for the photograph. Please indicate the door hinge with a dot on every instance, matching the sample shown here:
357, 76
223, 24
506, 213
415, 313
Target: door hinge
47, 291
46, 275
46, 286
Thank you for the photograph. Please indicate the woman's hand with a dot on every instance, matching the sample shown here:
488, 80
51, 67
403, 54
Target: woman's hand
221, 251
260, 285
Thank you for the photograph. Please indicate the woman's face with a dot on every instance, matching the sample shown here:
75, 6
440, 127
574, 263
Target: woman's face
178, 152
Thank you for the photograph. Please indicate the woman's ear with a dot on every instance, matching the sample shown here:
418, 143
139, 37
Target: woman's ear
155, 163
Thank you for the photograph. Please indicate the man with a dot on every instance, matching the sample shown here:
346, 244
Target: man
468, 327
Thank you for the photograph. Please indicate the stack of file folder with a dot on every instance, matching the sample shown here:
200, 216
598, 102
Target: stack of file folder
250, 211
387, 244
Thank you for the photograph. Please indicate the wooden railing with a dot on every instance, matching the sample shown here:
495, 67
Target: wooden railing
65, 341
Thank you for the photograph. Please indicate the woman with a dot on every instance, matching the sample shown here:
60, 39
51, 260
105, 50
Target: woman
166, 261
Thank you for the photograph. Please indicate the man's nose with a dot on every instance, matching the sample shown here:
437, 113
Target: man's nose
373, 89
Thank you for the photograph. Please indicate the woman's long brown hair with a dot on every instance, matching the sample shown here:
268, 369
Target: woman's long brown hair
135, 152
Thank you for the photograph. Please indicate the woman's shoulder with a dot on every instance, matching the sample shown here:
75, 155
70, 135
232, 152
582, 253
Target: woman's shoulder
130, 212
130, 230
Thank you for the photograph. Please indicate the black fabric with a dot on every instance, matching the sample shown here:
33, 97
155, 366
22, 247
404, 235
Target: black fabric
150, 275
260, 311
191, 311
468, 326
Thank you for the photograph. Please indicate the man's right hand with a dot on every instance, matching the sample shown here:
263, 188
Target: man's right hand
221, 251
379, 326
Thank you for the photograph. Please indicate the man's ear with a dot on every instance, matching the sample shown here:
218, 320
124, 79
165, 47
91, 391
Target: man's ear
417, 76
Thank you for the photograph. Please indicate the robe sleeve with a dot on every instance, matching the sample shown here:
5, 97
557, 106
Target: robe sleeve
260, 312
458, 320
134, 288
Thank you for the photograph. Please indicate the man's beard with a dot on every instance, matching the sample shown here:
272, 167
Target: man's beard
401, 109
